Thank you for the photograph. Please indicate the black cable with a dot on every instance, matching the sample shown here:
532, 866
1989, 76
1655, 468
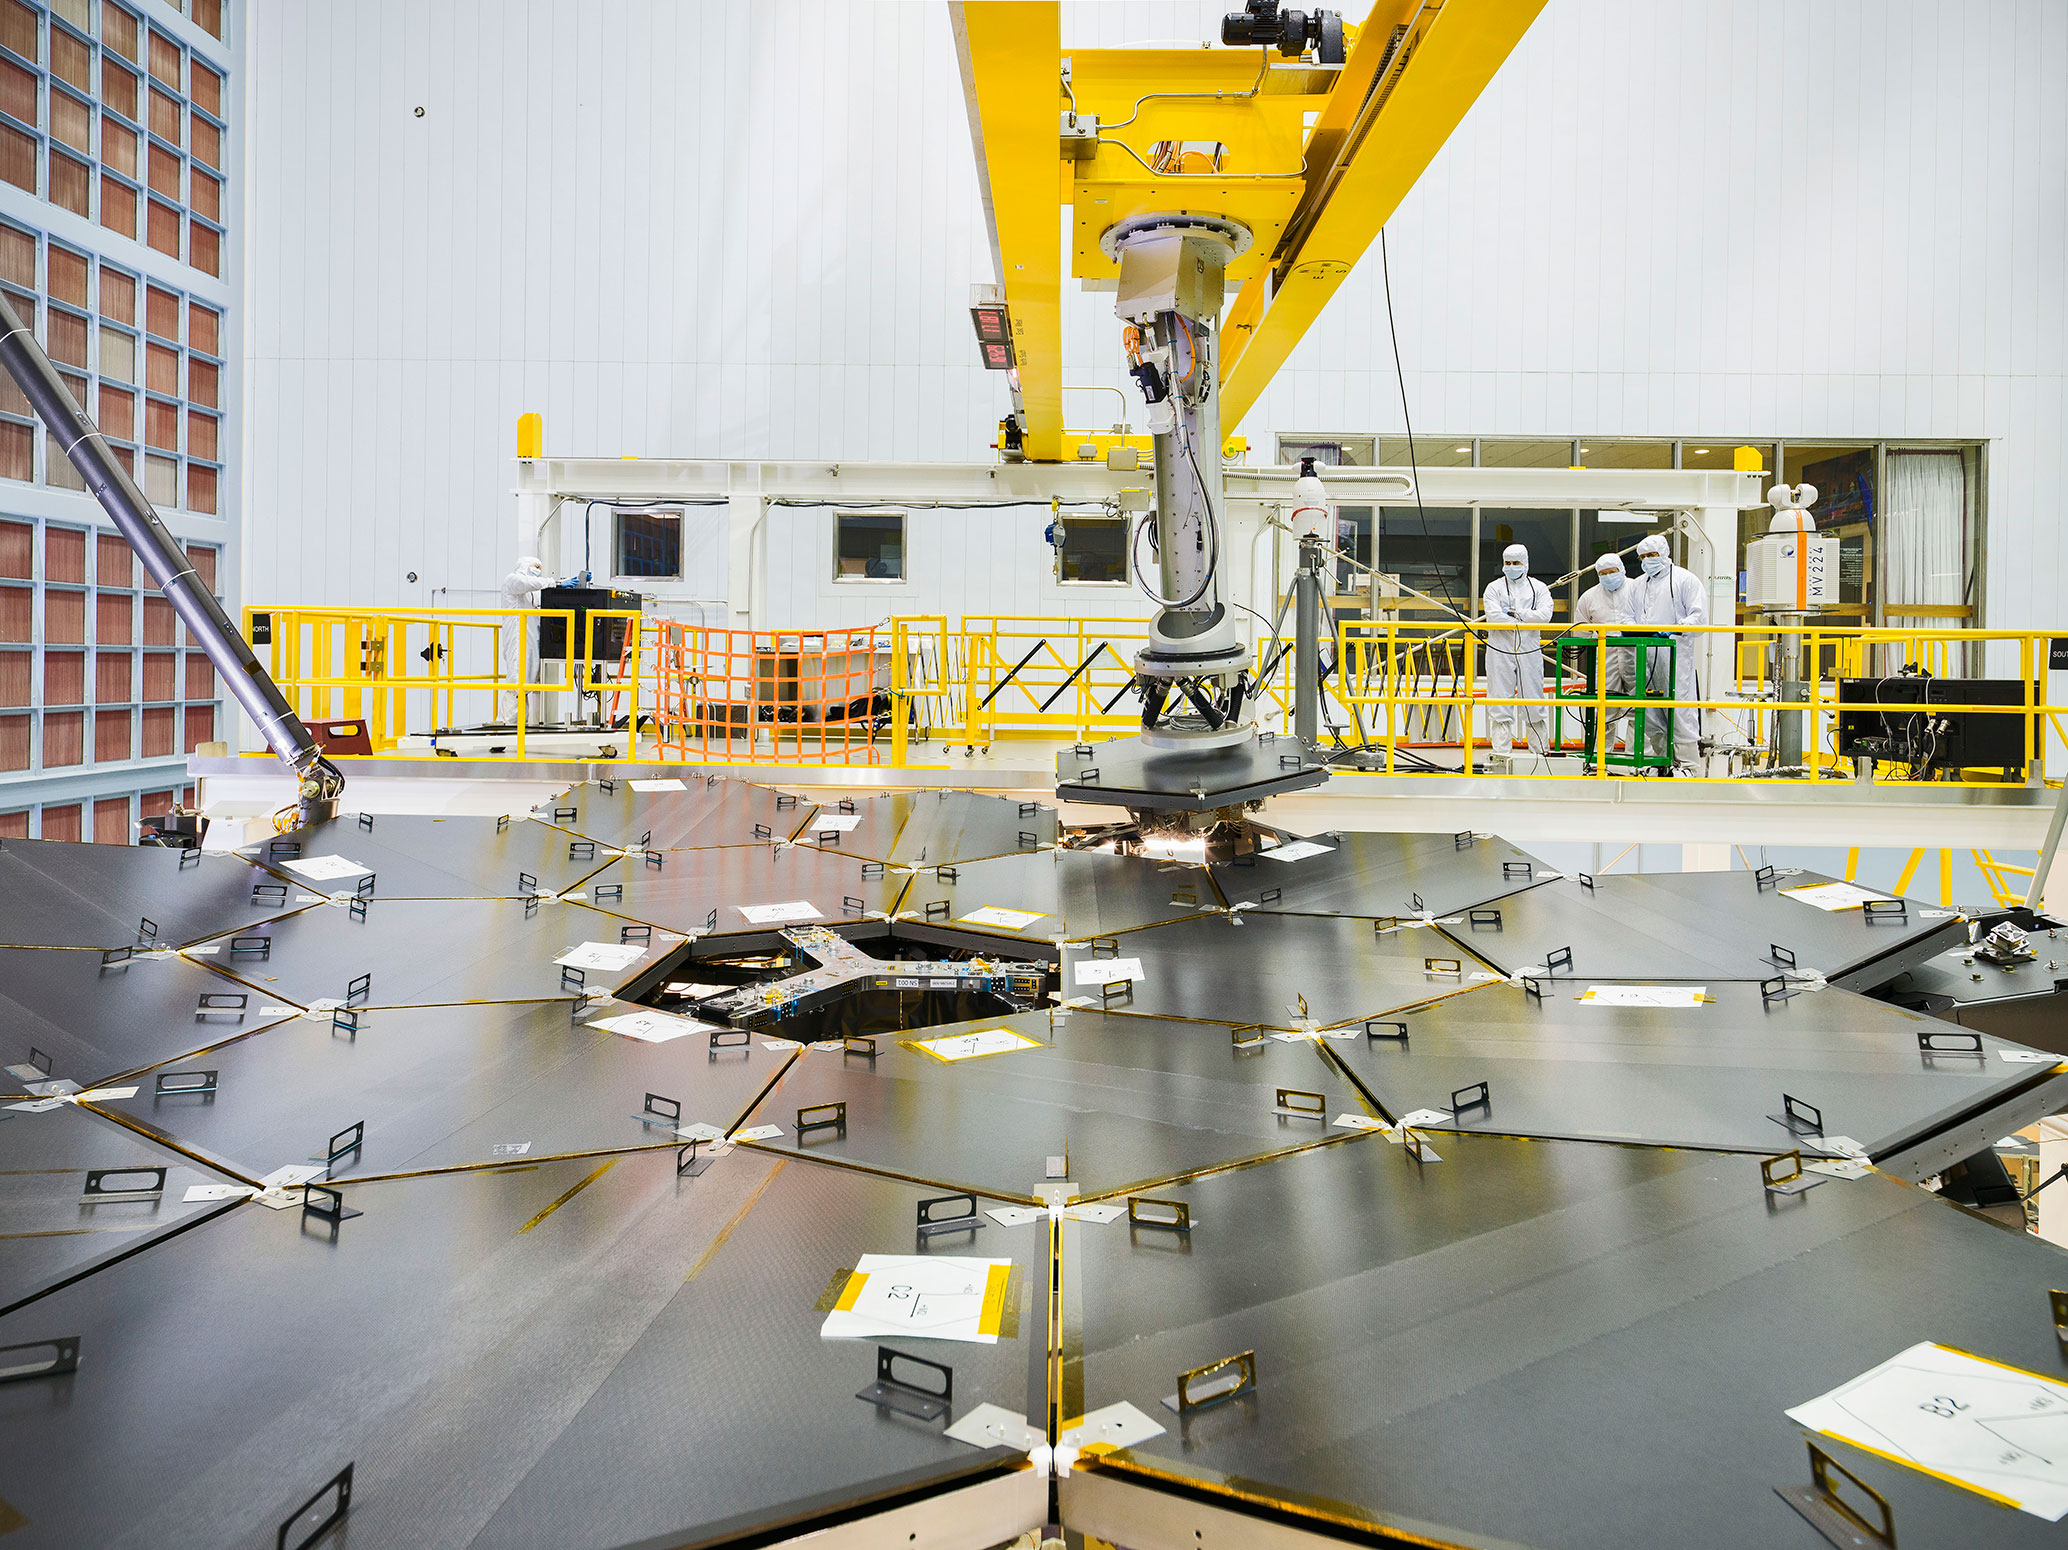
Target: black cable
1413, 459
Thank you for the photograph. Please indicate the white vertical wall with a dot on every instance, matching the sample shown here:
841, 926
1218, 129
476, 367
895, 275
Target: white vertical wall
747, 231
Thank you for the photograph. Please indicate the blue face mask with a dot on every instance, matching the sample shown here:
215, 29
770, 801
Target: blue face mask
1612, 580
1655, 565
1513, 571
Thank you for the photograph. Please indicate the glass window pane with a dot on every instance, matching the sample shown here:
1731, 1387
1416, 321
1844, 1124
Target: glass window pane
71, 121
67, 275
201, 441
162, 315
18, 28
648, 543
161, 481
1843, 475
164, 232
17, 451
118, 30
118, 206
64, 743
208, 141
66, 333
165, 117
165, 172
1548, 537
205, 250
201, 382
165, 59
203, 324
1604, 453
18, 92
1429, 452
162, 424
71, 184
1094, 549
114, 616
114, 566
1430, 551
118, 88
208, 88
18, 157
1495, 453
1614, 532
206, 194
1328, 451
64, 555
870, 544
18, 257
78, 12
118, 146
118, 354
117, 415
200, 488
208, 16
111, 744
71, 61
118, 295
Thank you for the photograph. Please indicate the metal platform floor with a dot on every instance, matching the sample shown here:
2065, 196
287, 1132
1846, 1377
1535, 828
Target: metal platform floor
1566, 1315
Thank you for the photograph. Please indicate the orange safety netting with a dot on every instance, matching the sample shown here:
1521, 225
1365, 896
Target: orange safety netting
802, 696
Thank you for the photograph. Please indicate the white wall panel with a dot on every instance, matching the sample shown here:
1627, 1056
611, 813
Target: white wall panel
748, 231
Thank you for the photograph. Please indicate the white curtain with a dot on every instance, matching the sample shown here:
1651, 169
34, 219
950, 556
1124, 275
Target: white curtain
1924, 529
1924, 538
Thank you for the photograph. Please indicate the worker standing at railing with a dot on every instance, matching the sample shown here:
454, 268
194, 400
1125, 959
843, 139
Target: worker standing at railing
1666, 596
521, 589
1515, 658
1609, 601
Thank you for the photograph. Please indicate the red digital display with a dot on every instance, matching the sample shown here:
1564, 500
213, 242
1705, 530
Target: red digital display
994, 336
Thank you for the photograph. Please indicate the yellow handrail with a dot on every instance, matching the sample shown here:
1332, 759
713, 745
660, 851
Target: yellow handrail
360, 664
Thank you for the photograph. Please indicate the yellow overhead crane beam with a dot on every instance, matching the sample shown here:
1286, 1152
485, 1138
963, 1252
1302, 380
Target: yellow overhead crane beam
1311, 159
1011, 52
1427, 64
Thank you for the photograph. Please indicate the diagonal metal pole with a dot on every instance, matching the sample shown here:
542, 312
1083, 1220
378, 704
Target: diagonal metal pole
78, 438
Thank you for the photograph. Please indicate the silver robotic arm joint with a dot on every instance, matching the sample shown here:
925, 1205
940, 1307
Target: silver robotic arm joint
1194, 667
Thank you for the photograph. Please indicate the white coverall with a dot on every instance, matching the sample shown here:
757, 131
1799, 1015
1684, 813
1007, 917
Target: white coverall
1598, 605
1515, 661
521, 589
1676, 597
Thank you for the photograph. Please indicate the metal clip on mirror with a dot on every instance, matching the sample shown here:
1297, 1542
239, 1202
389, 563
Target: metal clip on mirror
964, 1218
1215, 1383
904, 1395
1836, 1519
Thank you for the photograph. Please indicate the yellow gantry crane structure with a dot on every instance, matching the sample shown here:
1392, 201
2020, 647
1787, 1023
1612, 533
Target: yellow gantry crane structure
1311, 159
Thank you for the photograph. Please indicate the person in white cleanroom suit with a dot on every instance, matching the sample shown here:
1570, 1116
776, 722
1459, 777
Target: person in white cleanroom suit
1514, 658
1668, 595
1609, 601
521, 589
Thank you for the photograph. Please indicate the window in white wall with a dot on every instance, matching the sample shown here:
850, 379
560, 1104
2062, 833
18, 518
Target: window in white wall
648, 544
1427, 452
869, 546
1497, 453
1094, 551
